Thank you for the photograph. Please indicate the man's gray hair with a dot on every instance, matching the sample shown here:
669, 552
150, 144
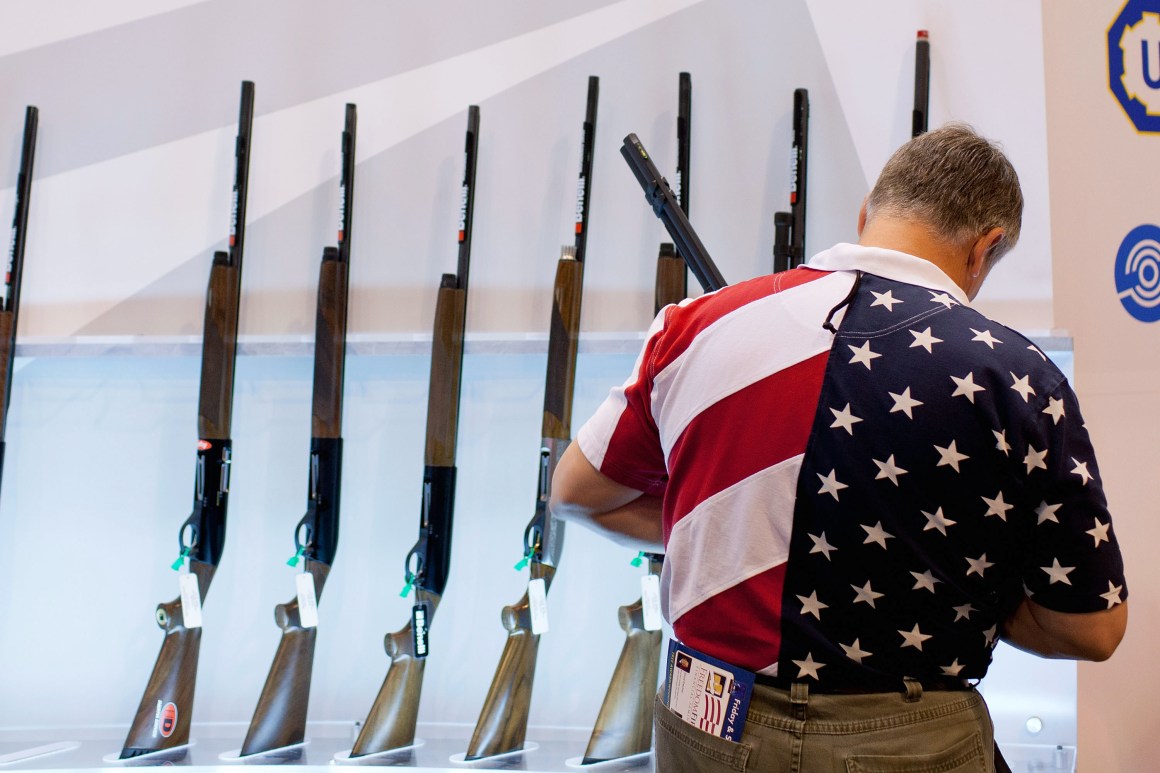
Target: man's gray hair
956, 182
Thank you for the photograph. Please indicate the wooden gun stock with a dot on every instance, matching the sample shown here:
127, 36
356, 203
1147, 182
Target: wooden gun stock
391, 722
280, 718
503, 722
219, 345
329, 348
671, 281
172, 682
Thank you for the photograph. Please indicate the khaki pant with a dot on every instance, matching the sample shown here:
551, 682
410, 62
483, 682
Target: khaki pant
793, 731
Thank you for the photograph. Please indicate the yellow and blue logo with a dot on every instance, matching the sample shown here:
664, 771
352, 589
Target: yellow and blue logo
1134, 62
1138, 273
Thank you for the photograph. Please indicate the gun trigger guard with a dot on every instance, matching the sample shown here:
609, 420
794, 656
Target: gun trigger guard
193, 535
416, 553
309, 533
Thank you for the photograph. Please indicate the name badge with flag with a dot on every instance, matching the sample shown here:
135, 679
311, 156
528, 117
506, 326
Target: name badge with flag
708, 693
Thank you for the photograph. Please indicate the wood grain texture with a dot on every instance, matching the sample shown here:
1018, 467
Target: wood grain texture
173, 679
7, 343
392, 719
671, 283
624, 725
219, 342
563, 339
329, 349
280, 718
446, 366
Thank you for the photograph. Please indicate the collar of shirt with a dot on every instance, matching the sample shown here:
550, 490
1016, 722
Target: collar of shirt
889, 264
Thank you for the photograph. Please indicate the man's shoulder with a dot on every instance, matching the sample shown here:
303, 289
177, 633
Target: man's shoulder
935, 318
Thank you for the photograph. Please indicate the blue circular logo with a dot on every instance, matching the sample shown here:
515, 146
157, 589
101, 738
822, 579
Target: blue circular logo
1134, 62
1138, 273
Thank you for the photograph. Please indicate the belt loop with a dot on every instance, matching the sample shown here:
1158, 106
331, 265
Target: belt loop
799, 697
913, 689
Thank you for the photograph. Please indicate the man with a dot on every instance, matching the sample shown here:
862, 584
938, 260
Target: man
861, 484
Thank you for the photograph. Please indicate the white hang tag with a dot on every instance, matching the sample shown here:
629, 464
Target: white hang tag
190, 600
650, 601
307, 600
538, 605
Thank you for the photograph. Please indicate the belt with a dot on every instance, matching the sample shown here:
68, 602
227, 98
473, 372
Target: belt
871, 684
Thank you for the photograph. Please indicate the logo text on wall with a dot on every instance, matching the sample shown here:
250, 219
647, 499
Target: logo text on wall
1138, 273
1134, 62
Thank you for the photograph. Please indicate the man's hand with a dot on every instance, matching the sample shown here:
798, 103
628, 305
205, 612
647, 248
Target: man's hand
1086, 636
581, 493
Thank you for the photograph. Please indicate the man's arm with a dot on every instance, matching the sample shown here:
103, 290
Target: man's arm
583, 494
1084, 636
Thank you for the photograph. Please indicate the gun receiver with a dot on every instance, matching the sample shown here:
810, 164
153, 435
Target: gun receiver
918, 117
789, 244
280, 717
503, 720
163, 716
13, 271
392, 718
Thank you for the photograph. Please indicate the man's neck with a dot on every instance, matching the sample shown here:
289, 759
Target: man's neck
918, 240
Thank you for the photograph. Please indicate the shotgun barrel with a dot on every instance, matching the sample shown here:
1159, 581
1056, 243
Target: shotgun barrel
503, 720
280, 717
918, 117
10, 306
789, 228
392, 718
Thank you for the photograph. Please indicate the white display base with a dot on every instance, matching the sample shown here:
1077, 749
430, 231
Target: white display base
294, 750
344, 758
485, 762
159, 757
577, 763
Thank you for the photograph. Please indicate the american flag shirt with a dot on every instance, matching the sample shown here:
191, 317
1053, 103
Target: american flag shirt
856, 505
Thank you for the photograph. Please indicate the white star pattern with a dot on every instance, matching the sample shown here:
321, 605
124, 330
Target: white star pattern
1022, 386
844, 419
943, 298
1035, 459
953, 669
1054, 409
1035, 349
985, 337
1058, 573
884, 299
1046, 513
1001, 443
863, 354
854, 651
809, 666
821, 546
904, 402
866, 593
877, 534
997, 506
925, 580
830, 484
888, 470
1112, 596
963, 612
966, 387
1081, 470
914, 638
950, 456
990, 634
925, 340
1100, 532
811, 605
979, 565
937, 520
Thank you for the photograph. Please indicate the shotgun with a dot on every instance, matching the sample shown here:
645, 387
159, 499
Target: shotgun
162, 719
503, 721
392, 718
918, 118
625, 723
789, 239
280, 718
12, 272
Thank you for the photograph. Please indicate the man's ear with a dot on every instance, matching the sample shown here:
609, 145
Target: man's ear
979, 259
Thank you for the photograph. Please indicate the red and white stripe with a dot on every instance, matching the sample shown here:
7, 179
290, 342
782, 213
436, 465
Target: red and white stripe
716, 416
